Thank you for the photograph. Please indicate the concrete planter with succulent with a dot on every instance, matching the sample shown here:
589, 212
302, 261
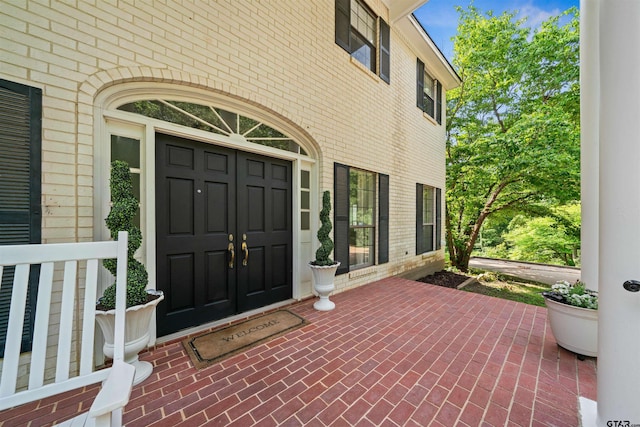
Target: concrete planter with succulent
141, 301
572, 310
323, 267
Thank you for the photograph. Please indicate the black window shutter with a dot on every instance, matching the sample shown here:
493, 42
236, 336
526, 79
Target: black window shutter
439, 103
341, 217
343, 23
419, 228
385, 52
438, 218
20, 187
383, 222
420, 85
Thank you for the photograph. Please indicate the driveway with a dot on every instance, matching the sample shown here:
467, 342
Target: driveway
542, 273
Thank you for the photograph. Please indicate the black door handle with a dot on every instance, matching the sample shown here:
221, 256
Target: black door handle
631, 285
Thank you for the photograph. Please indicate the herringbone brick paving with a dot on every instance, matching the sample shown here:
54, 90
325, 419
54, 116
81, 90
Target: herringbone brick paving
392, 353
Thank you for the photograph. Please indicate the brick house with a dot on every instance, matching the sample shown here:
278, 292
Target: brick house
234, 117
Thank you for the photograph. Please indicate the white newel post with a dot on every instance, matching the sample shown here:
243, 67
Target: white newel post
589, 102
619, 213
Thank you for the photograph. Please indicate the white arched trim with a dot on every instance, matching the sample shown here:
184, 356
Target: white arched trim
108, 120
112, 97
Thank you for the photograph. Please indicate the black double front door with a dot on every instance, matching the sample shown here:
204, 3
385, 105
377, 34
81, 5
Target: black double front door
223, 232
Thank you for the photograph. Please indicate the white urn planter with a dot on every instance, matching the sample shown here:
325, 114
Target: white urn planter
323, 276
137, 335
575, 328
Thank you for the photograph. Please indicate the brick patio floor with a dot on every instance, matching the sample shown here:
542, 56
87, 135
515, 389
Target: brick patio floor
393, 353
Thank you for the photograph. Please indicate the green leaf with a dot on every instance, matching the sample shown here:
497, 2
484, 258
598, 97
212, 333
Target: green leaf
513, 136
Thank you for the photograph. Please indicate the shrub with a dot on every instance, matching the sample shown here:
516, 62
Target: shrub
326, 244
120, 218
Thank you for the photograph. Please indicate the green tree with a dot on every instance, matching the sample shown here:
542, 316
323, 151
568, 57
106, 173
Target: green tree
513, 124
552, 239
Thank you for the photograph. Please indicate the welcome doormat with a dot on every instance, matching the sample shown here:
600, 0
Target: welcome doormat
215, 346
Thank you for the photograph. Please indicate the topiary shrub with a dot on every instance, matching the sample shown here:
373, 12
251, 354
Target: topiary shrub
120, 218
326, 244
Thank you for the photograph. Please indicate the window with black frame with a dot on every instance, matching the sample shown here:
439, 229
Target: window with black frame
428, 218
361, 215
365, 36
362, 226
428, 93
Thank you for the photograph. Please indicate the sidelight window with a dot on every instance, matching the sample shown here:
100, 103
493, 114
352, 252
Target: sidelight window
128, 150
305, 200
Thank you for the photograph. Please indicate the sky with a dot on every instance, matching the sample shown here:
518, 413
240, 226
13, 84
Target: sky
440, 19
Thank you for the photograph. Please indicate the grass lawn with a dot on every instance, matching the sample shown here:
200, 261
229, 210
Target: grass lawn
496, 285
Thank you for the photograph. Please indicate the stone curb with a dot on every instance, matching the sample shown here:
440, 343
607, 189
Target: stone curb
469, 281
566, 267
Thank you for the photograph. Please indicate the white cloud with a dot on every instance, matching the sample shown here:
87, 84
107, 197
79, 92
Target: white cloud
535, 15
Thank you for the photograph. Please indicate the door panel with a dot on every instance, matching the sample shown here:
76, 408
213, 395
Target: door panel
217, 222
256, 272
279, 201
204, 195
255, 209
180, 192
181, 281
267, 222
279, 261
217, 271
195, 208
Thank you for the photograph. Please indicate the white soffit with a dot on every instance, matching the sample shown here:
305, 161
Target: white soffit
428, 52
398, 9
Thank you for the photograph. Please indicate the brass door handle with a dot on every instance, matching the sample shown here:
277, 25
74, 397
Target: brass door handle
230, 248
245, 261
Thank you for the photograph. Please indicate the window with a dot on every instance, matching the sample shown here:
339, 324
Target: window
429, 93
361, 210
20, 187
215, 120
357, 33
128, 150
305, 200
362, 228
428, 218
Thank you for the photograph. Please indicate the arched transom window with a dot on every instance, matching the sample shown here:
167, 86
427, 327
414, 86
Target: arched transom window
215, 120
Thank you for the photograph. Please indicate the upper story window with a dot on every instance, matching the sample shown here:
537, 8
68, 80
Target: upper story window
429, 93
365, 36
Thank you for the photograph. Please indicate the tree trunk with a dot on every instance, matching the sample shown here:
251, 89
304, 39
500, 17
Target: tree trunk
461, 253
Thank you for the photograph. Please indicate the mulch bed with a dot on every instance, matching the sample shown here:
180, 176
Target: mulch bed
446, 279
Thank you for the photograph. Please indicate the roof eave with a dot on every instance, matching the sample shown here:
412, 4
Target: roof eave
399, 9
428, 51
